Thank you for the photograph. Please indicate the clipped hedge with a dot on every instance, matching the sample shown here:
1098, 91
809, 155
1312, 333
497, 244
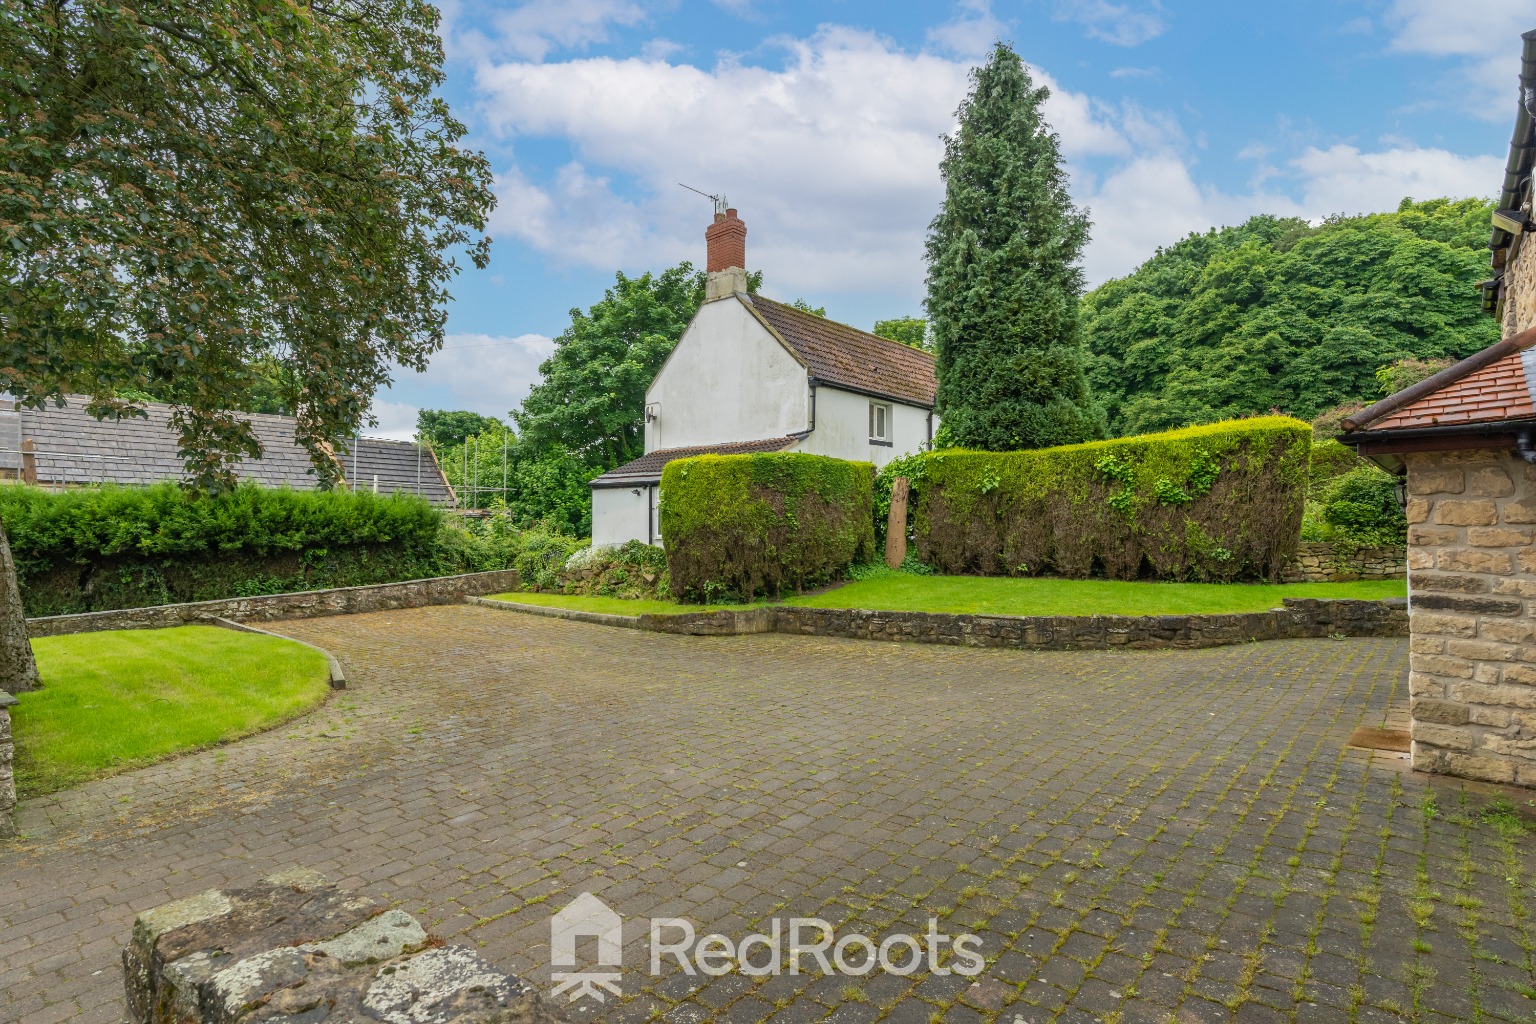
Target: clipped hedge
128, 547
740, 526
1211, 503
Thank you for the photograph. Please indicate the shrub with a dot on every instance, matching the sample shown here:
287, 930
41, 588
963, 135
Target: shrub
127, 547
633, 569
1331, 459
1357, 509
737, 526
1217, 502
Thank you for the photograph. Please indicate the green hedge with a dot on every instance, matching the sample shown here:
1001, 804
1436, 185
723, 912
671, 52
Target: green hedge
128, 547
739, 526
1218, 502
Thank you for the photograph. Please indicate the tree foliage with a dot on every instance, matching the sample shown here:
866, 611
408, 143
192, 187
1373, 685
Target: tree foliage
1278, 314
911, 331
187, 191
447, 428
591, 399
1003, 273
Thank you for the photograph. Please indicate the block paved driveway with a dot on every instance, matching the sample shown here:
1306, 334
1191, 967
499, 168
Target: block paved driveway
1136, 836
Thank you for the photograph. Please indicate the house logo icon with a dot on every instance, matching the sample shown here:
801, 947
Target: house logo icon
587, 917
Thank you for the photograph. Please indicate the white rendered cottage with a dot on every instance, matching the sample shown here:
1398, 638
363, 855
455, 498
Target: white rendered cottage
754, 375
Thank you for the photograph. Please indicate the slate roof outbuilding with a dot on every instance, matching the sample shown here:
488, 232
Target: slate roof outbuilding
647, 468
75, 448
847, 357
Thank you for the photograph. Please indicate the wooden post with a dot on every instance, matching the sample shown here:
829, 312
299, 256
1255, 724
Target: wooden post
29, 461
896, 525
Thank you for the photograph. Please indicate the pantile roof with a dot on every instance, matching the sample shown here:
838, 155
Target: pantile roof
647, 468
1499, 391
847, 357
73, 448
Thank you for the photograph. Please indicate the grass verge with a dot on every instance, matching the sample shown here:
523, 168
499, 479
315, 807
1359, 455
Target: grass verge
987, 595
122, 699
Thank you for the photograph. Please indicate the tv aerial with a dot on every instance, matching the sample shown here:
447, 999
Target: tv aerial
720, 201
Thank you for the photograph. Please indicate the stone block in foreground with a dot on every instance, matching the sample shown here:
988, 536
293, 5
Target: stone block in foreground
295, 950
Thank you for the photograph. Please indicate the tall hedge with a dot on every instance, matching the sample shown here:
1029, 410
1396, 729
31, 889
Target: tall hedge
1211, 503
740, 526
123, 547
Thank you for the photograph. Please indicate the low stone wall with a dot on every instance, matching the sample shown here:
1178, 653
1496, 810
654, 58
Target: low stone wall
1317, 562
7, 769
1300, 618
302, 605
292, 948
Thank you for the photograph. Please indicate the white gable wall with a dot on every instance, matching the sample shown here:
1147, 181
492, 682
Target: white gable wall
729, 379
622, 514
842, 427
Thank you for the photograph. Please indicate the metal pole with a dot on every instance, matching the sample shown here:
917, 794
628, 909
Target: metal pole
418, 465
504, 466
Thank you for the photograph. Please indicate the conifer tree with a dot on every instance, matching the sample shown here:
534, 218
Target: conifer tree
1004, 278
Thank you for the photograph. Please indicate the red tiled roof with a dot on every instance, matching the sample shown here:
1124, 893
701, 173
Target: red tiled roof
1498, 391
647, 468
847, 357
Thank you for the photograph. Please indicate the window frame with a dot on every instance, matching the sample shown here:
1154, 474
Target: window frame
884, 413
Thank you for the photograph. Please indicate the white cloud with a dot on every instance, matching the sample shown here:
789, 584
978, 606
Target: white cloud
533, 29
1136, 73
1119, 24
832, 159
971, 32
1342, 179
1484, 37
484, 373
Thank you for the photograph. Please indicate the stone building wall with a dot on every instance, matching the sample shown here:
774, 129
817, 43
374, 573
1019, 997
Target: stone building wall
1520, 287
1472, 578
1317, 562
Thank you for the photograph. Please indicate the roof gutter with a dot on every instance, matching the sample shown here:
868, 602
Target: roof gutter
1468, 366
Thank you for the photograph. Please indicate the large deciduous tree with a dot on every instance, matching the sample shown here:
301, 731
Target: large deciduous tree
1004, 278
591, 400
1276, 313
188, 191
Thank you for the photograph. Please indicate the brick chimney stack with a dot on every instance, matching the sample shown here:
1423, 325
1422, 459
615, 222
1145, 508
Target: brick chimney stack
725, 256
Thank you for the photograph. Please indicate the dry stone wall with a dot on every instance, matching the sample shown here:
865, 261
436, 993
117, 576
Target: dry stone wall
1472, 574
7, 769
302, 605
292, 948
1317, 562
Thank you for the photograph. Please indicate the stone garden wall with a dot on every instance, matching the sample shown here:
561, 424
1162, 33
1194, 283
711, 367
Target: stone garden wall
302, 605
7, 769
1317, 562
292, 948
1472, 524
1298, 619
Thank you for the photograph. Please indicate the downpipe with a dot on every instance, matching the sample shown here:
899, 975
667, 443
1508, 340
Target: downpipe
1525, 444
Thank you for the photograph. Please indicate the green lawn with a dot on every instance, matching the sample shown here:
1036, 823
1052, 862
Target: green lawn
988, 595
991, 595
121, 699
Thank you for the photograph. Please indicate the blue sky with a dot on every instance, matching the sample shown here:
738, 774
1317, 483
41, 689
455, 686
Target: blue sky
822, 121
